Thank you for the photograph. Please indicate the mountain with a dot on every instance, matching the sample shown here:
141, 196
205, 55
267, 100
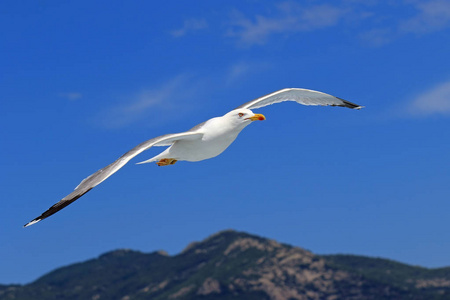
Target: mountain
235, 265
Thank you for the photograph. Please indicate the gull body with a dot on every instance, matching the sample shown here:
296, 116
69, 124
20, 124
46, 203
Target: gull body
203, 141
216, 135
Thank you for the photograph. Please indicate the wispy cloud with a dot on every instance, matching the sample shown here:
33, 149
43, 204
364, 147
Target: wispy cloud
148, 103
435, 101
242, 69
431, 16
289, 18
70, 96
176, 96
237, 70
377, 37
424, 17
376, 23
189, 25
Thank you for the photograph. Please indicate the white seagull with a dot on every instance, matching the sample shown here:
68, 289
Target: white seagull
203, 141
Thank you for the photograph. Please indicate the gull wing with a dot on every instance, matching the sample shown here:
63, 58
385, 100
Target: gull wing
301, 96
93, 180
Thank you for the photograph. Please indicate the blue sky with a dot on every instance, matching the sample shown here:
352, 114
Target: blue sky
85, 81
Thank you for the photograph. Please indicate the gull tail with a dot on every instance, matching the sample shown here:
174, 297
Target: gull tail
146, 161
154, 158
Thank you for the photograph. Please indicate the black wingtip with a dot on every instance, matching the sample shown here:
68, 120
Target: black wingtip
57, 207
350, 104
34, 221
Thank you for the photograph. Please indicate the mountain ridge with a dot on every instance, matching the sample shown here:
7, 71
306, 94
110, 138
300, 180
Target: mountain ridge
235, 265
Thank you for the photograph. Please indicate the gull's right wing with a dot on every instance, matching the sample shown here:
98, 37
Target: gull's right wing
93, 180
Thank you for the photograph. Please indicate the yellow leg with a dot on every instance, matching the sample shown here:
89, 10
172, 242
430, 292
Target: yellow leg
166, 162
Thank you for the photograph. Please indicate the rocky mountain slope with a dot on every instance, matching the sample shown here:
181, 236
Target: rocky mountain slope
235, 265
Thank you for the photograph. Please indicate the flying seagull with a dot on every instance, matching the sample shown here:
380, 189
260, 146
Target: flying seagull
203, 141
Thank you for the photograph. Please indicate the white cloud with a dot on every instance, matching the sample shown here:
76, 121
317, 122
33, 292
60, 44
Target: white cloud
149, 103
189, 26
238, 70
182, 94
71, 96
426, 17
377, 37
243, 69
432, 102
431, 16
289, 18
375, 22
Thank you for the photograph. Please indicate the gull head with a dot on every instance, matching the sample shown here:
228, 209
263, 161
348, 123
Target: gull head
243, 116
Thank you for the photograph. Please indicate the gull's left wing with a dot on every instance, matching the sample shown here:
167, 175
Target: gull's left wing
98, 177
301, 96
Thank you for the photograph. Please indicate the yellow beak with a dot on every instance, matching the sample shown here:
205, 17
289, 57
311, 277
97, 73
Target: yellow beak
257, 117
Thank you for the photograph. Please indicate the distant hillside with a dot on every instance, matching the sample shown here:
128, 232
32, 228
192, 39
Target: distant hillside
235, 265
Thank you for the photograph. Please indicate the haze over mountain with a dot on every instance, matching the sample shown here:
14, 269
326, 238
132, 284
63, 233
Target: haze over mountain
235, 265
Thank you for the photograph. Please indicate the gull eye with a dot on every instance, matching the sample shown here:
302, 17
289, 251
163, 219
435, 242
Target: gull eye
240, 115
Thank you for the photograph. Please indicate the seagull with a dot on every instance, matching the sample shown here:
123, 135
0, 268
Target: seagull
206, 140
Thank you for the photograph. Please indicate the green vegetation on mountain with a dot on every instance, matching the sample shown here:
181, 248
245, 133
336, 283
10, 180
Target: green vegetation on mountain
434, 283
235, 265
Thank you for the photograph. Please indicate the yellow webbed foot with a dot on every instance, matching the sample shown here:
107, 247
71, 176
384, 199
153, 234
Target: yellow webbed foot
166, 162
